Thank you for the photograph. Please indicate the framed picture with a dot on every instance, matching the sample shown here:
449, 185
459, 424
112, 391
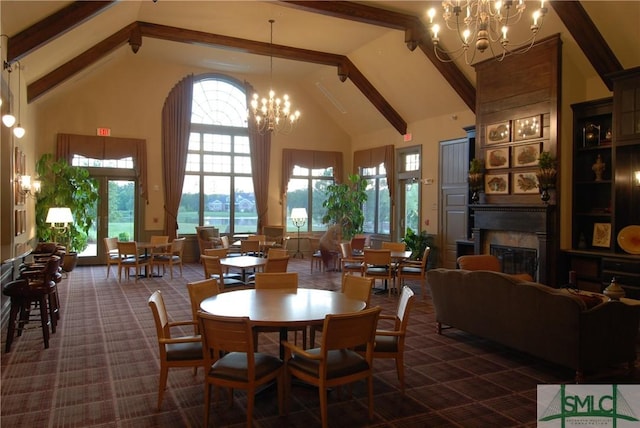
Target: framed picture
526, 155
524, 182
601, 235
496, 184
527, 128
498, 133
497, 158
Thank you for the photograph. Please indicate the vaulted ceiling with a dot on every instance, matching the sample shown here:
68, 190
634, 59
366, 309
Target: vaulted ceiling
368, 64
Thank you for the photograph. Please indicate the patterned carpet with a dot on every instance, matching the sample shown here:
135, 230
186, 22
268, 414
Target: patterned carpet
101, 369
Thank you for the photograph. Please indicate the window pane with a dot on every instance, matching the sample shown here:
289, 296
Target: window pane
193, 162
217, 102
217, 143
216, 163
241, 145
242, 165
246, 220
188, 211
412, 162
297, 197
194, 142
384, 207
318, 197
299, 171
217, 200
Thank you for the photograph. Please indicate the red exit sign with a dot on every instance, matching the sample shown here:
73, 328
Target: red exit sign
104, 132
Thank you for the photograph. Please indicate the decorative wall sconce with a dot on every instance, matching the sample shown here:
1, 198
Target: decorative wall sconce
27, 186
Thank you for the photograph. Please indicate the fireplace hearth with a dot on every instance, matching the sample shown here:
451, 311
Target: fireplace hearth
516, 260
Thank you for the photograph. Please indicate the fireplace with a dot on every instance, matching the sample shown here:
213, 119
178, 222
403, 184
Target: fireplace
519, 231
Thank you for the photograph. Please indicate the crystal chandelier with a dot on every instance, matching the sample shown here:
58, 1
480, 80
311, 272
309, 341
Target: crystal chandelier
273, 114
482, 25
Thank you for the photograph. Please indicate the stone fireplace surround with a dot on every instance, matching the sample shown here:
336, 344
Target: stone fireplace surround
519, 226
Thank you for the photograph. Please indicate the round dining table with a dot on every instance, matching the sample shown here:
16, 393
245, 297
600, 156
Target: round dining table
280, 308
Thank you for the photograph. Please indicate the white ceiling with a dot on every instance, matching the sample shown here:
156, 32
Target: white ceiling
407, 80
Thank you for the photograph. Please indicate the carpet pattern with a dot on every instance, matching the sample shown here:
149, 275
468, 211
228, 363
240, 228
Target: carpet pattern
102, 369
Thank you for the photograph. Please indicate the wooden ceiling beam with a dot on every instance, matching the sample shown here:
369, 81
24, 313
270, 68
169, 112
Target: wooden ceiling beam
52, 27
587, 36
415, 36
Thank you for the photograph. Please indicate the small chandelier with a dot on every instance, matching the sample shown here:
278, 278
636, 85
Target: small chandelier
273, 114
482, 25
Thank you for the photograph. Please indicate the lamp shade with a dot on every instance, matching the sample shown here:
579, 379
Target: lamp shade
59, 215
299, 214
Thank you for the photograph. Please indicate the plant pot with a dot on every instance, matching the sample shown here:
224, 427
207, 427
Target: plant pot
70, 261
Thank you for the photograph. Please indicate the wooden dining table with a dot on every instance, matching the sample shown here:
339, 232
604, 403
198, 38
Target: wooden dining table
281, 309
243, 263
146, 246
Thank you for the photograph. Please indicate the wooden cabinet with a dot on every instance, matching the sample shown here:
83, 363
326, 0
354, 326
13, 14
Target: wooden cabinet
605, 201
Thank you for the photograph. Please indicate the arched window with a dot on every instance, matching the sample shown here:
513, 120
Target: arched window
218, 187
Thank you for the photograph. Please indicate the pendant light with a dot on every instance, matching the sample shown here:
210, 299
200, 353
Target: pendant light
19, 131
8, 119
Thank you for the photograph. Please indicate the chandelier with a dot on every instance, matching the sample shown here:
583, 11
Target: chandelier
273, 114
482, 25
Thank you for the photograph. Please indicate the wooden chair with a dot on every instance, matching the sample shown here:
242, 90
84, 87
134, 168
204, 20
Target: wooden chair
208, 237
273, 265
335, 362
377, 265
111, 252
316, 257
277, 281
349, 262
390, 343
356, 287
231, 249
414, 269
358, 243
198, 291
222, 252
130, 258
231, 361
277, 253
274, 234
171, 257
393, 246
250, 247
213, 269
183, 351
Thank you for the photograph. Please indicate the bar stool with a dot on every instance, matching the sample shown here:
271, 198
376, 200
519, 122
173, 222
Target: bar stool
47, 280
22, 297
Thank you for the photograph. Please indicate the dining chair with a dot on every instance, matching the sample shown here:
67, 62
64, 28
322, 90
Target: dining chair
222, 252
377, 265
389, 343
356, 287
130, 258
213, 269
275, 234
348, 261
111, 252
316, 256
287, 281
198, 291
277, 253
171, 257
414, 269
250, 247
232, 362
208, 237
232, 250
336, 362
273, 264
358, 243
393, 246
181, 351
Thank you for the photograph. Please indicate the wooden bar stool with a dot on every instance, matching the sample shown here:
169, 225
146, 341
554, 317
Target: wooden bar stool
22, 297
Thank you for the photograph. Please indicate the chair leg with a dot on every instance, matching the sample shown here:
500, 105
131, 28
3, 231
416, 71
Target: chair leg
44, 319
207, 402
11, 328
251, 398
323, 405
400, 371
164, 373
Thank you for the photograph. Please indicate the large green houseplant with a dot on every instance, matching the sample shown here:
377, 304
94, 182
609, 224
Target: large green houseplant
418, 242
344, 205
63, 185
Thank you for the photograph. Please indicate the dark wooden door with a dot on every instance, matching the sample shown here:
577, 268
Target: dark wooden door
454, 163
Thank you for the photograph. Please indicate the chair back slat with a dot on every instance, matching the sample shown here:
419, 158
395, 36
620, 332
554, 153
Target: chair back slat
277, 281
276, 264
349, 330
357, 287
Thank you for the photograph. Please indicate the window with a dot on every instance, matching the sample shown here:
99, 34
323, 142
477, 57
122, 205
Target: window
307, 189
125, 163
218, 186
377, 209
409, 172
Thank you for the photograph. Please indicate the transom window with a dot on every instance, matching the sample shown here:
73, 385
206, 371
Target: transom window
218, 185
125, 163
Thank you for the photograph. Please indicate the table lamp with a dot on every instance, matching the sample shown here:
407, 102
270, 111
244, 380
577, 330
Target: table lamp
59, 217
299, 218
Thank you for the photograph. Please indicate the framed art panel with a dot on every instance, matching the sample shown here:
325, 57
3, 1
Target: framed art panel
496, 184
527, 128
497, 158
524, 182
498, 133
601, 235
526, 155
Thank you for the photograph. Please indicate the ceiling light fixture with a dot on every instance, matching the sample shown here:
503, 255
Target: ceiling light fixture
8, 119
482, 25
273, 114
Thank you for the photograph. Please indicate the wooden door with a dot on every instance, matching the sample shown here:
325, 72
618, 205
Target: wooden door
453, 223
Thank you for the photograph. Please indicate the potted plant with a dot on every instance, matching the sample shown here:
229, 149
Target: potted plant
417, 242
547, 174
476, 179
69, 186
344, 205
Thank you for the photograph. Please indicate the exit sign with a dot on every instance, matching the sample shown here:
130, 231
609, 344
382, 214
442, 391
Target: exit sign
104, 132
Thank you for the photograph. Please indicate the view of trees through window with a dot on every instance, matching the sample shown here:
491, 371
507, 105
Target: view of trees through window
377, 209
307, 189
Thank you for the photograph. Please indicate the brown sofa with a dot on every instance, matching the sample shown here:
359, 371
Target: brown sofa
582, 332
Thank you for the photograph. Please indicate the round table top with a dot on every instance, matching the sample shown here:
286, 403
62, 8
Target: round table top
278, 308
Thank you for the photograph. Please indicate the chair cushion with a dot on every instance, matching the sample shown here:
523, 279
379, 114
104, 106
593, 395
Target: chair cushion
411, 270
386, 344
341, 362
233, 366
184, 351
353, 265
377, 270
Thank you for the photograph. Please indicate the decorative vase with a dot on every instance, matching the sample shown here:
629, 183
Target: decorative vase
614, 291
598, 168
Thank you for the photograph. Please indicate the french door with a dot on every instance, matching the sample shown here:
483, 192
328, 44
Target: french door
115, 216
